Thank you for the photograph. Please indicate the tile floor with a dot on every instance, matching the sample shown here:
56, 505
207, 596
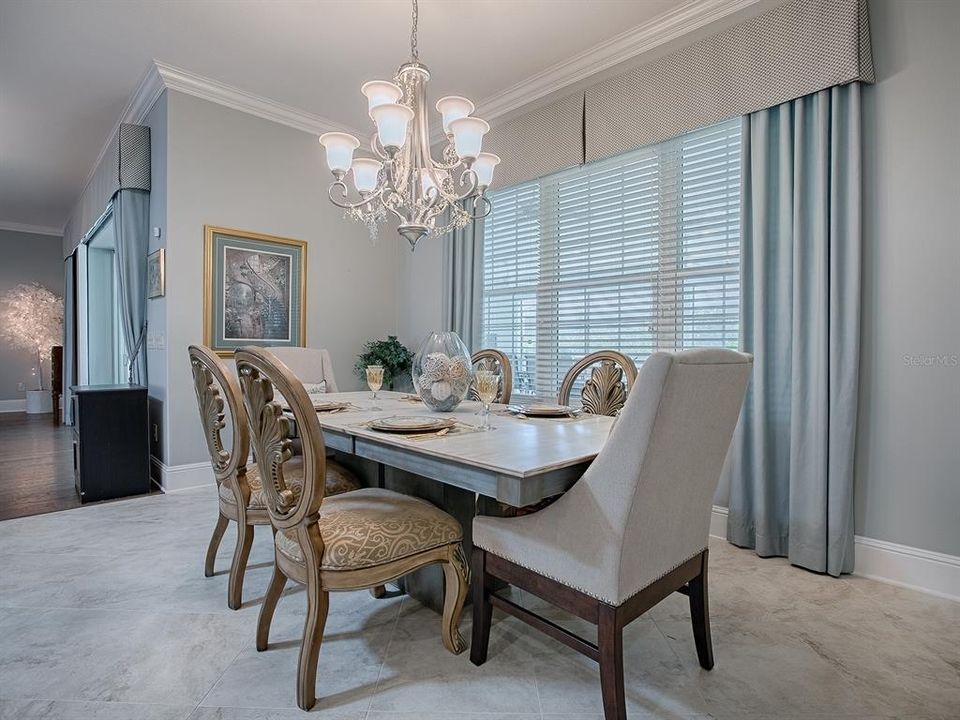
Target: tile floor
105, 615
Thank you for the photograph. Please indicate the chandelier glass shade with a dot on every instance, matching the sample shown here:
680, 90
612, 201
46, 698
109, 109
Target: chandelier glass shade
402, 179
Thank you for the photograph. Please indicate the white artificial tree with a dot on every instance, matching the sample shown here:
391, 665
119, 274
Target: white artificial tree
31, 319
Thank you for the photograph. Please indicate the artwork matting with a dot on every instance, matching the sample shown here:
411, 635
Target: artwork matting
254, 290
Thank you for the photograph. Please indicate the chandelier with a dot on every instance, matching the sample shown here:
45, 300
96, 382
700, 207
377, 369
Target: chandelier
427, 196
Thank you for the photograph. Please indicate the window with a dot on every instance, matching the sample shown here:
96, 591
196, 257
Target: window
636, 253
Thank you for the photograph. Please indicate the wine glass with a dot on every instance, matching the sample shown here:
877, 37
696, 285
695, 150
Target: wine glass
375, 382
487, 383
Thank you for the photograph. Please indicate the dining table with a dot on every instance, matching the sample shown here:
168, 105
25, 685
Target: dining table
464, 470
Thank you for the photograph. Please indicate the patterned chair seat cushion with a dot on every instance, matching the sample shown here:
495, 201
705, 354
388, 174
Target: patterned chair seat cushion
370, 527
339, 480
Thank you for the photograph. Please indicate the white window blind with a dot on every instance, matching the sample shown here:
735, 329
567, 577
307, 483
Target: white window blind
635, 253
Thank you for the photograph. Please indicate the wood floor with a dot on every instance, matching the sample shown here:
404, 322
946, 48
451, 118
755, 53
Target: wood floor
36, 466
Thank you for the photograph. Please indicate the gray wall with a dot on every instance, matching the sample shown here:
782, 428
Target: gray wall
155, 345
228, 168
908, 459
27, 258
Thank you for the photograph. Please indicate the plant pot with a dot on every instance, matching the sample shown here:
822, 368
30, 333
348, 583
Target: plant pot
39, 402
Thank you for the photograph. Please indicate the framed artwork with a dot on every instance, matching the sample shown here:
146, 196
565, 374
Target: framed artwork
254, 290
156, 282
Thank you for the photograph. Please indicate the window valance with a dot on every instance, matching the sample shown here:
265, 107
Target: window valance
795, 49
124, 166
539, 142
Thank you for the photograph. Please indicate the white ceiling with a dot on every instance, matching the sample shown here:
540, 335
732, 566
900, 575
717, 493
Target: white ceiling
69, 67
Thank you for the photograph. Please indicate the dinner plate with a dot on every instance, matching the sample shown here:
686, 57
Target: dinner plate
543, 410
412, 424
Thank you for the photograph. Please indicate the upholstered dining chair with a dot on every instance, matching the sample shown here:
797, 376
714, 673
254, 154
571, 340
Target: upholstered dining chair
240, 494
634, 528
605, 391
353, 541
490, 359
312, 366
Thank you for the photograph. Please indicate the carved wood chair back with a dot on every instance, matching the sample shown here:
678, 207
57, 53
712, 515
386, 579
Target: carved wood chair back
490, 359
605, 391
214, 384
260, 373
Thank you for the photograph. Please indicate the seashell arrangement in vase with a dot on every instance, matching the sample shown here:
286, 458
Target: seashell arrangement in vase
442, 371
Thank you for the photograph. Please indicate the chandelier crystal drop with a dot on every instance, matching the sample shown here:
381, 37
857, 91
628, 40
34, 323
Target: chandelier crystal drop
402, 178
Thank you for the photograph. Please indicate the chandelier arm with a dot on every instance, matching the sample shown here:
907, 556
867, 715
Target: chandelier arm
487, 207
467, 175
344, 192
386, 193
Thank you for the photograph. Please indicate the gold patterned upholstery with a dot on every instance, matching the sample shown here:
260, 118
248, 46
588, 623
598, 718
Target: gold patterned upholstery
371, 527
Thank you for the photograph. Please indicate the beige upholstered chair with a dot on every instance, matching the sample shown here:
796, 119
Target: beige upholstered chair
239, 490
605, 392
490, 359
353, 541
313, 367
634, 528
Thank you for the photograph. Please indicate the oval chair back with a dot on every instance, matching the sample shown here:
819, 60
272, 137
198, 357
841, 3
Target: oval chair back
261, 372
605, 391
214, 383
490, 359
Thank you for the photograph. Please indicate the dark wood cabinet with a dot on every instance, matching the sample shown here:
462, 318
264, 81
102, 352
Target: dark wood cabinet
111, 451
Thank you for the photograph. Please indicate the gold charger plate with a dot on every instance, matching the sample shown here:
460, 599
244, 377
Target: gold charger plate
411, 424
542, 410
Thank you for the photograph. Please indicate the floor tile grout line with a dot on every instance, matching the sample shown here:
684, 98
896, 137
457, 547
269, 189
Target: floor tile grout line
383, 659
219, 678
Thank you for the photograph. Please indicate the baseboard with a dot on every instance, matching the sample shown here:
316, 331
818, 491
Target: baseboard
12, 406
180, 477
924, 570
718, 522
914, 568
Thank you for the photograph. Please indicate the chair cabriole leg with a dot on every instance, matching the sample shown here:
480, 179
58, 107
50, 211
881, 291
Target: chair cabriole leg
218, 530
456, 581
239, 565
318, 603
270, 600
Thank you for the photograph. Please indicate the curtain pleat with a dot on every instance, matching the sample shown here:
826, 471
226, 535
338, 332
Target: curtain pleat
791, 461
131, 210
463, 284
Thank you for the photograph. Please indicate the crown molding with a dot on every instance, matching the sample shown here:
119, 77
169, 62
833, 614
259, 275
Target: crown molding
675, 23
32, 229
202, 87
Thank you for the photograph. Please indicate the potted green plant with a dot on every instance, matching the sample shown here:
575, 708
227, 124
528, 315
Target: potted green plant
391, 354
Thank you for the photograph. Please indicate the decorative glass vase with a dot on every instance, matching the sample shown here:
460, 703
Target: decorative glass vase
442, 371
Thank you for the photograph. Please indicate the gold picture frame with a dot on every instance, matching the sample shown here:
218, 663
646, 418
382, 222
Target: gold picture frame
254, 289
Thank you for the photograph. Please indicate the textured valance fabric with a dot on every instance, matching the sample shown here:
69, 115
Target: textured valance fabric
539, 142
794, 50
125, 166
791, 51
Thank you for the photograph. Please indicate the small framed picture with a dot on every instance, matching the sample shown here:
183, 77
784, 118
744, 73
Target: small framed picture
254, 290
156, 283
